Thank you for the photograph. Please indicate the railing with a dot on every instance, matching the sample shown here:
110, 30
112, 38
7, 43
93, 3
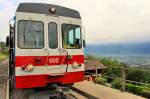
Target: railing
123, 76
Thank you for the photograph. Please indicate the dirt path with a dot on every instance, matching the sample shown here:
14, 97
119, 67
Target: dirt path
3, 78
103, 92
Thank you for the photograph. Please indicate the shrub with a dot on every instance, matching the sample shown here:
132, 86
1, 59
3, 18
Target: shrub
145, 93
134, 88
3, 56
117, 83
100, 80
4, 52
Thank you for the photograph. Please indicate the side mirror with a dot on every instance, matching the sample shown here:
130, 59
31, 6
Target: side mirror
84, 44
7, 41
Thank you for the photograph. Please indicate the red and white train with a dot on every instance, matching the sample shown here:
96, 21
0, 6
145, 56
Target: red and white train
46, 46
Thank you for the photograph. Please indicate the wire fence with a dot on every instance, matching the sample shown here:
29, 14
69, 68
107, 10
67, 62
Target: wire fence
123, 78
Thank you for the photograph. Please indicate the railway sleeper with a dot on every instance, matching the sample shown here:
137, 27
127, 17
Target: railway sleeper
55, 92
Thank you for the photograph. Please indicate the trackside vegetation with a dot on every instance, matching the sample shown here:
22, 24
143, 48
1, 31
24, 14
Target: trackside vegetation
3, 56
113, 76
3, 51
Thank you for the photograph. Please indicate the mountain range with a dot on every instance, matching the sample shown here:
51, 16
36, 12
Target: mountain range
119, 49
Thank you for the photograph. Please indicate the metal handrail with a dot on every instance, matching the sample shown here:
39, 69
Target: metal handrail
120, 77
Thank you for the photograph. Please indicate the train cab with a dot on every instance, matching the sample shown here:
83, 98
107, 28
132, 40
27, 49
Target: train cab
46, 46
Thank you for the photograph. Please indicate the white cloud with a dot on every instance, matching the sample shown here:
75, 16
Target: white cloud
104, 20
7, 9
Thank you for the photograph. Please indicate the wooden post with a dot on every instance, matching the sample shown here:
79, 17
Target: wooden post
123, 79
96, 74
96, 70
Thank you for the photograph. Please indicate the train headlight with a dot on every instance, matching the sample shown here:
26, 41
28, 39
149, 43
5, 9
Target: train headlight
52, 9
75, 65
28, 68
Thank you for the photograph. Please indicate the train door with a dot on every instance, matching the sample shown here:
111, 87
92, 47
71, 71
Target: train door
72, 42
55, 60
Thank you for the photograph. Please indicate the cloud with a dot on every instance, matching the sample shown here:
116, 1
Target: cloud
108, 21
105, 21
7, 9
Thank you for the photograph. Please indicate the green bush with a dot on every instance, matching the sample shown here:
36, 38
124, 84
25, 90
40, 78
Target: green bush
117, 83
134, 88
4, 52
3, 56
145, 93
113, 68
100, 80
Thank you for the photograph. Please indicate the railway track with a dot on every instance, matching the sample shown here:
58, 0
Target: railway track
45, 94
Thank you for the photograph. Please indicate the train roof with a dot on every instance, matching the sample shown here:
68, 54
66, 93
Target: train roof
42, 8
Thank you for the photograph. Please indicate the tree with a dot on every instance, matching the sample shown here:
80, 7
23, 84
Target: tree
113, 68
135, 75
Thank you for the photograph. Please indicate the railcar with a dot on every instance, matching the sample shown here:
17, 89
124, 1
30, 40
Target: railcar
46, 46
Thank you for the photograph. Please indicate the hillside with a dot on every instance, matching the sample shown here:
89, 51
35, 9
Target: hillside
119, 49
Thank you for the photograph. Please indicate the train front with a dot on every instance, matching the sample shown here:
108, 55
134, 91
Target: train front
48, 46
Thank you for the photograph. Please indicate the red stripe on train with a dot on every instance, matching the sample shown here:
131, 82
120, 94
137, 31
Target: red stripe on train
50, 60
32, 81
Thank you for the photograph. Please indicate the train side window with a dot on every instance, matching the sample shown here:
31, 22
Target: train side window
30, 34
53, 35
71, 36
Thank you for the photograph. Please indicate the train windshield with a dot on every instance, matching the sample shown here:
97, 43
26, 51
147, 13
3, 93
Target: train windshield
71, 35
30, 34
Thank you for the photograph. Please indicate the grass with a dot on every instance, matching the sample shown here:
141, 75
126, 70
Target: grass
3, 56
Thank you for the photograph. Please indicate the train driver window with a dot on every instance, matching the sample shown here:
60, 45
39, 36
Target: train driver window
71, 36
30, 34
52, 35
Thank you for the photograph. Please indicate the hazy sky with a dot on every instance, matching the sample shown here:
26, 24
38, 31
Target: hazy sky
105, 21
